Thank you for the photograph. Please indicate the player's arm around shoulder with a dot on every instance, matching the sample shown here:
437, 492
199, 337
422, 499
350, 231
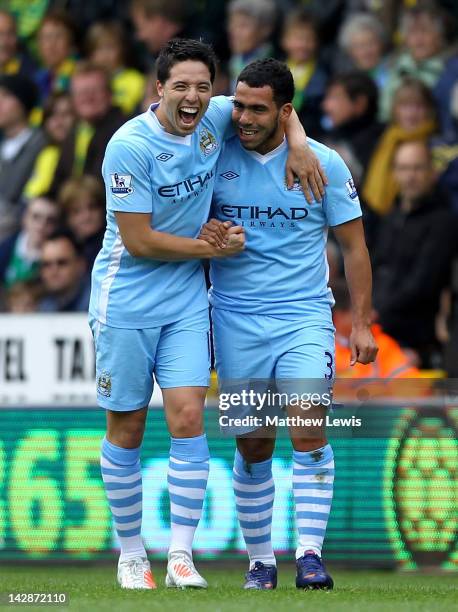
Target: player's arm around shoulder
303, 162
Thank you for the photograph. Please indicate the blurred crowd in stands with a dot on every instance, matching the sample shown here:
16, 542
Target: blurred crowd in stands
376, 80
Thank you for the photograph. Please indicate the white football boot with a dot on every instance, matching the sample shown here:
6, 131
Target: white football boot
181, 572
135, 574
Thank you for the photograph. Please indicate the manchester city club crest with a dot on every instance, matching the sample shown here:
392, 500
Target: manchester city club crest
207, 142
104, 384
121, 185
296, 185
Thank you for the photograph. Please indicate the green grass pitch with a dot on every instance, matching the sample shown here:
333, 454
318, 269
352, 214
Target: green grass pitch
93, 588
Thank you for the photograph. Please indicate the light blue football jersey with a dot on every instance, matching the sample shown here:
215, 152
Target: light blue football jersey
284, 264
148, 170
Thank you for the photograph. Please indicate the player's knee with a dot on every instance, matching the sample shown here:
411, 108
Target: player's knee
126, 432
255, 450
187, 421
130, 438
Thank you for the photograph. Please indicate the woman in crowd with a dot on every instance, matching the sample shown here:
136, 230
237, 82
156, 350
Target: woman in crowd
422, 55
300, 42
20, 254
249, 25
56, 51
107, 47
82, 201
363, 40
58, 120
412, 118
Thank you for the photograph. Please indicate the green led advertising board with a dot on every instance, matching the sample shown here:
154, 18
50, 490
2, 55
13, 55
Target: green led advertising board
395, 498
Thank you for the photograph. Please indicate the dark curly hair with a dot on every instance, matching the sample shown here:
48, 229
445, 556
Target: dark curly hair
273, 73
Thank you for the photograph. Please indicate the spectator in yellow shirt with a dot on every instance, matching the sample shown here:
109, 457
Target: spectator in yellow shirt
58, 120
300, 41
107, 47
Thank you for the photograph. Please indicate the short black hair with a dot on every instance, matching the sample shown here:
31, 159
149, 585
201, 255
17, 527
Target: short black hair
273, 73
357, 83
65, 234
183, 49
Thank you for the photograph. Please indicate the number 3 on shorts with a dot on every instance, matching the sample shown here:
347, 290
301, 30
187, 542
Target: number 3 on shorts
329, 364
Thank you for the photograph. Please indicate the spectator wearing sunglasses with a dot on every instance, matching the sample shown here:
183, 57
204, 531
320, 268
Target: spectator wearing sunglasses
64, 275
20, 253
